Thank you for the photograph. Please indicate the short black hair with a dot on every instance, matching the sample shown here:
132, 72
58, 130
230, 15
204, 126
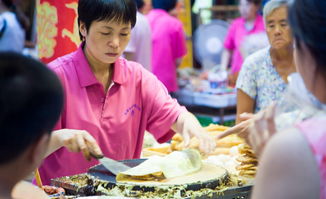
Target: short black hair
8, 3
307, 20
256, 2
31, 100
140, 4
98, 10
166, 5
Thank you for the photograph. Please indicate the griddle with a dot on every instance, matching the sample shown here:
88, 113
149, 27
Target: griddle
102, 173
99, 172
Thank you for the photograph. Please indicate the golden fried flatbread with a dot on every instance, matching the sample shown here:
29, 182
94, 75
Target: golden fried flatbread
244, 150
247, 167
229, 141
243, 163
247, 160
248, 155
244, 147
247, 172
215, 127
177, 137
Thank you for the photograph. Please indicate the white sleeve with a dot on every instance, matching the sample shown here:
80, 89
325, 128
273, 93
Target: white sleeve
131, 47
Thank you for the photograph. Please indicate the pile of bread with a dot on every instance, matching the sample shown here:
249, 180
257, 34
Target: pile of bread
223, 145
248, 161
246, 157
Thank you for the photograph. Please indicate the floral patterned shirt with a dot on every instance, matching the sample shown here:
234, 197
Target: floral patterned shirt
259, 79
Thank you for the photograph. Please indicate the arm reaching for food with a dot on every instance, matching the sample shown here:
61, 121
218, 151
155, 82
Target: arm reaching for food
188, 126
74, 141
256, 129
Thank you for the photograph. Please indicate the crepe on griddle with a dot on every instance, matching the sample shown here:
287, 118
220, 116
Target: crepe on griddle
177, 163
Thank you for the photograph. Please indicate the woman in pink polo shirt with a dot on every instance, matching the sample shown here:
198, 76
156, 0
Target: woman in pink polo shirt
113, 99
249, 23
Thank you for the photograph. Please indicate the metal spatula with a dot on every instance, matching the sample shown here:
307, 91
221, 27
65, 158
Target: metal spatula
113, 166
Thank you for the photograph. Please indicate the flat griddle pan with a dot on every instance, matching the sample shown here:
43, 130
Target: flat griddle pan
102, 173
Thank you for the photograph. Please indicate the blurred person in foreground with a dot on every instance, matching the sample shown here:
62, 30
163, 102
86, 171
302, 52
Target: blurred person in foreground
168, 43
139, 48
31, 100
292, 161
113, 99
263, 76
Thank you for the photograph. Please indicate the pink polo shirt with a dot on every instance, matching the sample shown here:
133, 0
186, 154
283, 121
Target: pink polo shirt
136, 102
235, 36
168, 44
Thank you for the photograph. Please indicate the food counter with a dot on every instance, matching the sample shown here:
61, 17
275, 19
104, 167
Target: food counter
233, 166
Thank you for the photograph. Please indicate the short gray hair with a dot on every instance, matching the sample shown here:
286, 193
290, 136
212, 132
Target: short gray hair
271, 6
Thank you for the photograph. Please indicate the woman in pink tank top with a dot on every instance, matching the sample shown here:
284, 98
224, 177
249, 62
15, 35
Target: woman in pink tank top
292, 162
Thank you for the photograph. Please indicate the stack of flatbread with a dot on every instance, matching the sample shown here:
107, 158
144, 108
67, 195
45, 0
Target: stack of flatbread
248, 161
222, 145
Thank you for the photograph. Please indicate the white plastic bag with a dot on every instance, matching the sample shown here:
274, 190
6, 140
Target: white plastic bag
297, 104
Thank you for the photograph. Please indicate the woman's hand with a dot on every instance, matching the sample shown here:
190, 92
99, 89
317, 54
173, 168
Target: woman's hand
75, 141
256, 129
232, 79
241, 129
261, 129
188, 126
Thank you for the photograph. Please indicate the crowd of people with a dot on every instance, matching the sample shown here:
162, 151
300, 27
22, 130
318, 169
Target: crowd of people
94, 102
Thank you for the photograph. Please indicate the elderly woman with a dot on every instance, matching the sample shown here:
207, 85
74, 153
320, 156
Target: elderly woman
263, 77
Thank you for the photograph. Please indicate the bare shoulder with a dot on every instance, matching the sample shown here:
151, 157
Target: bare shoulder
287, 168
287, 145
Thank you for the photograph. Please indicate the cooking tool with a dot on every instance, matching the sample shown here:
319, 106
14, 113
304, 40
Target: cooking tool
38, 178
113, 166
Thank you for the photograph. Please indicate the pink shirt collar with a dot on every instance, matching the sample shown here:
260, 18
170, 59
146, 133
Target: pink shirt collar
256, 23
85, 75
